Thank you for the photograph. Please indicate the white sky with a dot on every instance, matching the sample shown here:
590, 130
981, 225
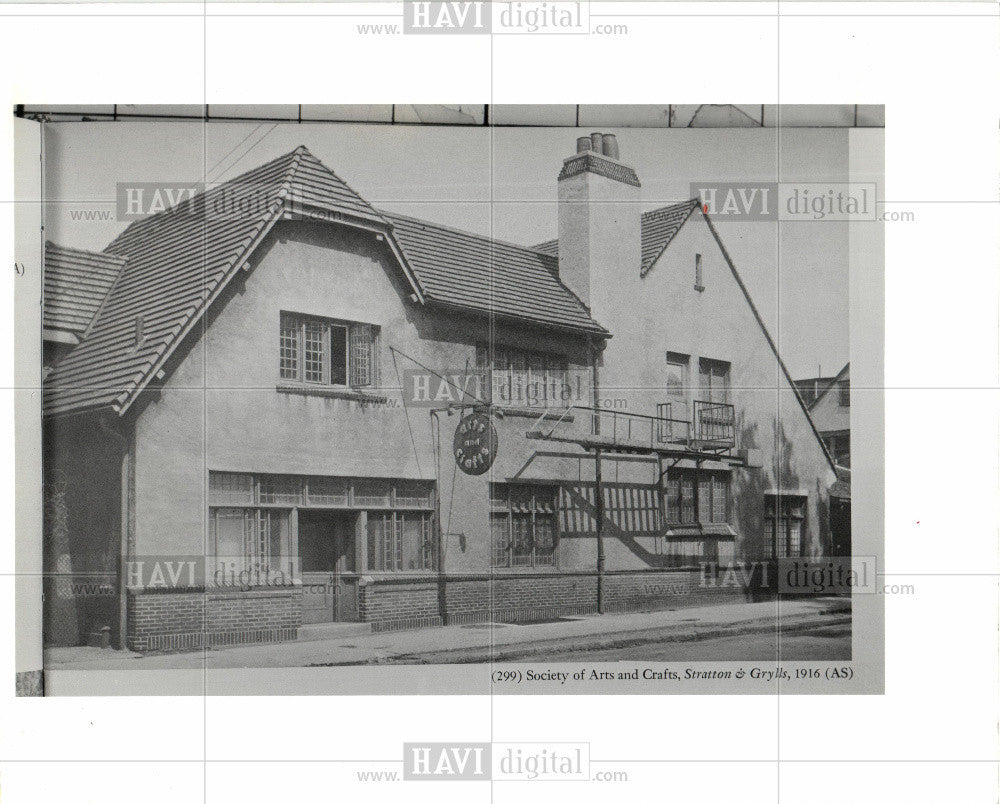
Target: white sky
500, 182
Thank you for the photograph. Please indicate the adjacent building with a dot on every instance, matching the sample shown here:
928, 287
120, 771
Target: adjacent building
831, 412
252, 400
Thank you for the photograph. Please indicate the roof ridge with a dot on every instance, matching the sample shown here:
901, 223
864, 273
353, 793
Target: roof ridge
675, 205
464, 232
207, 188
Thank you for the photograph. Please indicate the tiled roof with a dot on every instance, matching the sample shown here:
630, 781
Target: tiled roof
177, 262
474, 272
550, 247
75, 282
659, 227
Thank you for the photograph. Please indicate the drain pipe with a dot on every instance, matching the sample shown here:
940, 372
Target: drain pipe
126, 471
439, 548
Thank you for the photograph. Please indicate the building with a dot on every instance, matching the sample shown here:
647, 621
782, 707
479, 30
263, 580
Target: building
831, 412
812, 387
274, 404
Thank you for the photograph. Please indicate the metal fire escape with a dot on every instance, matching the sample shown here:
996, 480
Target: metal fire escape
710, 434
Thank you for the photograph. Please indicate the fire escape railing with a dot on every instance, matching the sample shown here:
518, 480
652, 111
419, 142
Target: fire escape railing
714, 422
712, 425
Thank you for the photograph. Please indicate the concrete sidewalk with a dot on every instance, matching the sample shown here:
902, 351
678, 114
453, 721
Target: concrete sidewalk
478, 643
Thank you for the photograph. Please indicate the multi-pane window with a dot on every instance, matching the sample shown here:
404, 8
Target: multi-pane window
251, 545
527, 379
400, 540
713, 378
250, 517
324, 352
523, 525
712, 497
783, 517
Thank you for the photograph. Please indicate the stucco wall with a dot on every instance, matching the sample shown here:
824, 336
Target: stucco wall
664, 312
221, 410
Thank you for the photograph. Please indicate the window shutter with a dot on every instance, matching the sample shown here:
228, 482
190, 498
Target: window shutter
361, 355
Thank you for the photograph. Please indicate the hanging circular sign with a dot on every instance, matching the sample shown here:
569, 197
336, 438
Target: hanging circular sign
475, 444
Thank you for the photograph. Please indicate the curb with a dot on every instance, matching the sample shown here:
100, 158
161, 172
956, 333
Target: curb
514, 651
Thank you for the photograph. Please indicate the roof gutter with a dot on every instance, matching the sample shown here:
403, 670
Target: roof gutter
596, 331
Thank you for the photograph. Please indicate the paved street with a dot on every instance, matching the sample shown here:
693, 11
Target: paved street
817, 628
820, 644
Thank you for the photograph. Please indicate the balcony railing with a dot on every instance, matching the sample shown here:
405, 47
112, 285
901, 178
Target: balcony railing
712, 426
714, 423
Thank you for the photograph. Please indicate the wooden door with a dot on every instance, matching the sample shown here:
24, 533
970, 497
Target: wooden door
326, 552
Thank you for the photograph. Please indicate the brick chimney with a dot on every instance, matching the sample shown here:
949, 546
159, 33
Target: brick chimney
598, 220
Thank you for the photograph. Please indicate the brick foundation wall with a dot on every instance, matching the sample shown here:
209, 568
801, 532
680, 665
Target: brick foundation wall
181, 620
395, 603
670, 589
185, 620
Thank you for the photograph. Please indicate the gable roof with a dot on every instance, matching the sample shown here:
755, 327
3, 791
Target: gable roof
74, 283
658, 228
844, 372
550, 247
767, 335
490, 276
177, 262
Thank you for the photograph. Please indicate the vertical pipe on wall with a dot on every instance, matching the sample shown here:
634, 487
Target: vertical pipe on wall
599, 495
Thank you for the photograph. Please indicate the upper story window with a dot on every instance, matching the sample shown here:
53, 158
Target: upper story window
713, 377
526, 379
678, 366
328, 352
844, 389
699, 283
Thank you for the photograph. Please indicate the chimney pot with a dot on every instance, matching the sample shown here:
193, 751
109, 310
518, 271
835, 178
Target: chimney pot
596, 142
610, 146
582, 144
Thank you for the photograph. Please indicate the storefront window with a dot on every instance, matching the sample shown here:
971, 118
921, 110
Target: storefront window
400, 541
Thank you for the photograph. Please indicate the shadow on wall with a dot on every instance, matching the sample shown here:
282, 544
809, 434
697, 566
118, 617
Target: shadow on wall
749, 499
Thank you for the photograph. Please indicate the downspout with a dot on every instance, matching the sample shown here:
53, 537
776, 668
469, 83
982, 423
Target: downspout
439, 549
125, 522
598, 490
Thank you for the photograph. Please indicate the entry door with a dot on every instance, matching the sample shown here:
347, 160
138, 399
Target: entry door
326, 551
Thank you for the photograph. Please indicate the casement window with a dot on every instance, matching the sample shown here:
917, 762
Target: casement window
844, 391
713, 377
712, 497
783, 517
524, 379
523, 525
400, 540
325, 352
